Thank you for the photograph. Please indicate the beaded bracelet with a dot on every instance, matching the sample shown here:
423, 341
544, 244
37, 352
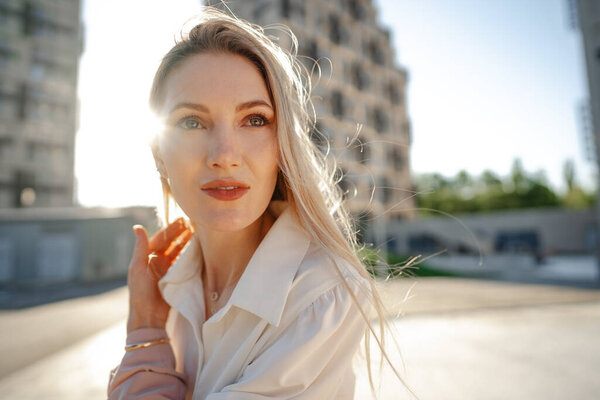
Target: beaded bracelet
146, 344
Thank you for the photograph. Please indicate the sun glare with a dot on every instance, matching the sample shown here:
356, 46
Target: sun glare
114, 164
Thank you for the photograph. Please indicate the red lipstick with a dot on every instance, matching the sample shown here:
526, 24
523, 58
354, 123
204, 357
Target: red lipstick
225, 189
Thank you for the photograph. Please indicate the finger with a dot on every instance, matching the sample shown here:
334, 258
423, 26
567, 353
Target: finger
158, 265
161, 241
140, 250
163, 262
178, 244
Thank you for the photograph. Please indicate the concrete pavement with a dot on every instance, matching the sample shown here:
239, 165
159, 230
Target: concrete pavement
33, 333
460, 338
549, 352
444, 295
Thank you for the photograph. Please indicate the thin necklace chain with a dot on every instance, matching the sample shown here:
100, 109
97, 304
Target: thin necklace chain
217, 300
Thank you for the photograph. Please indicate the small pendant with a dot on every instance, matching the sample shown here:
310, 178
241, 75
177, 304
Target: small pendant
214, 296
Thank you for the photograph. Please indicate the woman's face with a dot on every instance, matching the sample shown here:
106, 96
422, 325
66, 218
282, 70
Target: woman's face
219, 148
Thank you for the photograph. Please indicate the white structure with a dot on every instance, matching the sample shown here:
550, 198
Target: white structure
544, 232
40, 45
58, 245
588, 18
359, 84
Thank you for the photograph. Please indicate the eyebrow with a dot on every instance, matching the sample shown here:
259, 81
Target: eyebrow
242, 106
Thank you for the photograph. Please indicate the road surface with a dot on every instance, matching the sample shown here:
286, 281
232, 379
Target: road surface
460, 339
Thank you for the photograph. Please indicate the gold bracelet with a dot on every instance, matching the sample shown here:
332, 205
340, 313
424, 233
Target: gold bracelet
146, 344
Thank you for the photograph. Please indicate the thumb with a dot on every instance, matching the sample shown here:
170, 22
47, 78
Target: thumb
140, 251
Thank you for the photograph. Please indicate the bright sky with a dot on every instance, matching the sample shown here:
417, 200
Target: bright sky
489, 81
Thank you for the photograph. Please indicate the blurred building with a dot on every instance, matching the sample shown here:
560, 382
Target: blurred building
40, 45
360, 83
587, 18
540, 232
60, 245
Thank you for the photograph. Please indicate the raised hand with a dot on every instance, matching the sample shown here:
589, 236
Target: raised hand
151, 259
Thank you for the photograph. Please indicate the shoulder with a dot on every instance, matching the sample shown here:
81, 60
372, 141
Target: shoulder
325, 280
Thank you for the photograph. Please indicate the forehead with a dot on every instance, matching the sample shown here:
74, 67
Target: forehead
214, 78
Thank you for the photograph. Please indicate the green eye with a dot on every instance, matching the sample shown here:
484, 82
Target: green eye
188, 123
256, 121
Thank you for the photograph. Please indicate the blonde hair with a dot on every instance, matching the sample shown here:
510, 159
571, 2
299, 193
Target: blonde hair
307, 180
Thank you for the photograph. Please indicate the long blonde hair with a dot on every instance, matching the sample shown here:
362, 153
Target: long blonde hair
307, 178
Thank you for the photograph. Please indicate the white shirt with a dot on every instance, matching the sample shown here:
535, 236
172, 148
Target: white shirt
288, 331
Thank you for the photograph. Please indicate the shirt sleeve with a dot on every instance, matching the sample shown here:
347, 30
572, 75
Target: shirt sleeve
311, 358
147, 373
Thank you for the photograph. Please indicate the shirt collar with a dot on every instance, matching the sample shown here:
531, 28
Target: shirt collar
264, 286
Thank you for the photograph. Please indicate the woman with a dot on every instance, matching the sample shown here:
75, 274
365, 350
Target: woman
261, 294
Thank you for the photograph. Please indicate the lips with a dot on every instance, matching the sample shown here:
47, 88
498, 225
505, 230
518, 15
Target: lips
225, 189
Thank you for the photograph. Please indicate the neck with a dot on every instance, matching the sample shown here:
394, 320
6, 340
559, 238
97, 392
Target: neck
223, 267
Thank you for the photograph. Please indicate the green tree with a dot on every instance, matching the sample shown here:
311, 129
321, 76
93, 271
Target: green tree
489, 179
518, 177
576, 197
569, 174
464, 193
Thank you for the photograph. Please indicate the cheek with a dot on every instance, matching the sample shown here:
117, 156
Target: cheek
270, 158
177, 156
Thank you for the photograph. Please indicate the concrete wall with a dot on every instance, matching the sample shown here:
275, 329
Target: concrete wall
559, 230
45, 246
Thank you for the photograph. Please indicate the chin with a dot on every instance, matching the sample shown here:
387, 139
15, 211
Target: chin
226, 220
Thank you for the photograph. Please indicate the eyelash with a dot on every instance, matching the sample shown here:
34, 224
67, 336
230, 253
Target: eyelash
186, 118
263, 117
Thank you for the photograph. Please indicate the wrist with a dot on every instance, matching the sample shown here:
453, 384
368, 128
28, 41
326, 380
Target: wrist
136, 321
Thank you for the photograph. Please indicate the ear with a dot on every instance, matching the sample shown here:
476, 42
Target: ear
160, 165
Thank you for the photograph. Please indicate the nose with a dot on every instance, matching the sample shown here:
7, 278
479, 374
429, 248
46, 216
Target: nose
224, 150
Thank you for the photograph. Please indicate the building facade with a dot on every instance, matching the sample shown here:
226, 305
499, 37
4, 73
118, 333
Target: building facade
588, 19
40, 45
540, 231
60, 245
359, 99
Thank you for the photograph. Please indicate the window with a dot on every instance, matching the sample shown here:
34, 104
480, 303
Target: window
28, 19
360, 78
394, 94
337, 104
319, 136
309, 54
310, 49
293, 9
407, 130
379, 120
386, 191
424, 243
356, 9
7, 104
335, 29
285, 8
396, 158
259, 10
346, 186
375, 53
361, 151
7, 54
22, 102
